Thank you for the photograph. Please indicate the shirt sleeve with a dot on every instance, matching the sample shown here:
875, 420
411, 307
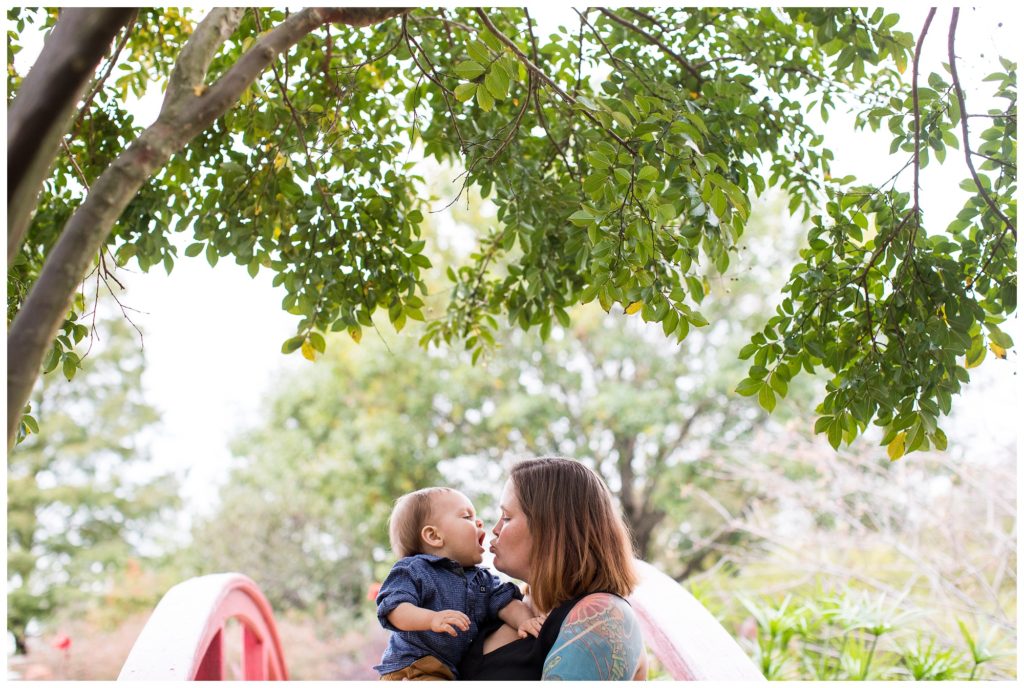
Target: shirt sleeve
501, 595
402, 585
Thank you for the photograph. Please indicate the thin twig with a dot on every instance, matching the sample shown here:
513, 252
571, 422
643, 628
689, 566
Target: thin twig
963, 125
656, 41
917, 135
545, 78
74, 163
99, 82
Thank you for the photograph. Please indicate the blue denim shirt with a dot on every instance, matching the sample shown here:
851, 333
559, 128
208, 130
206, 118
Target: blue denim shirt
438, 583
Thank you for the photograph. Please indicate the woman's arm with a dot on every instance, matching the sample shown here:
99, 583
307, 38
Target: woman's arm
600, 640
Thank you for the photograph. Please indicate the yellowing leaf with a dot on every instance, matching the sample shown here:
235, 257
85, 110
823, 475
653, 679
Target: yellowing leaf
634, 307
279, 161
356, 333
898, 446
277, 230
997, 350
308, 352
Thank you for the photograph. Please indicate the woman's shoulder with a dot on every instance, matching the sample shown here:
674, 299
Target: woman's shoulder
600, 639
600, 603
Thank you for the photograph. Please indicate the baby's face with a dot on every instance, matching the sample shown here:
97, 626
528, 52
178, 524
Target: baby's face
454, 517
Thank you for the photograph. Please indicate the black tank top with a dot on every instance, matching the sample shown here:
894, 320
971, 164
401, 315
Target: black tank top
520, 660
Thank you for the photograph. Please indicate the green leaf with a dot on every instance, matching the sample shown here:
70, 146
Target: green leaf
52, 359
193, 250
478, 51
497, 82
70, 366
648, 173
484, 99
581, 218
594, 182
766, 398
292, 344
835, 433
598, 160
718, 203
749, 387
317, 341
470, 69
464, 92
779, 385
1000, 338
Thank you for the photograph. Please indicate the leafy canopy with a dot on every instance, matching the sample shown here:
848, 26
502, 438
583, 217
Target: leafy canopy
621, 155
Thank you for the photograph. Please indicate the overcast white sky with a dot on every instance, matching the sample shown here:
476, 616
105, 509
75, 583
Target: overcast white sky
213, 336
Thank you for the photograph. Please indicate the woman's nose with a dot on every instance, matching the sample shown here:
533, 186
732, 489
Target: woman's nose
497, 528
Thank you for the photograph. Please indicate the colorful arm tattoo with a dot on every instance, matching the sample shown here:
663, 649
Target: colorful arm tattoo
599, 640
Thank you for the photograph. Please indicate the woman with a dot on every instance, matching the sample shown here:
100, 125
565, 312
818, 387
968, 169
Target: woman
560, 533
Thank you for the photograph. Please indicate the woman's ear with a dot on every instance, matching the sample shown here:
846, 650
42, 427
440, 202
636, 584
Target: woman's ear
432, 537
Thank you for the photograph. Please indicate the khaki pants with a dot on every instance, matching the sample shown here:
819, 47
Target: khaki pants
423, 669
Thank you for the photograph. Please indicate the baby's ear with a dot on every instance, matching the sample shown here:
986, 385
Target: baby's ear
431, 536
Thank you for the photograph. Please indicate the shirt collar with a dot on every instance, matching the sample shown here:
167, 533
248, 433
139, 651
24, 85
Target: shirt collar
444, 561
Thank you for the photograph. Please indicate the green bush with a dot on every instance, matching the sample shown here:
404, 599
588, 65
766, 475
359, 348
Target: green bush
854, 636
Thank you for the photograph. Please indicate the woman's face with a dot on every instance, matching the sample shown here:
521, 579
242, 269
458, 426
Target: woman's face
512, 542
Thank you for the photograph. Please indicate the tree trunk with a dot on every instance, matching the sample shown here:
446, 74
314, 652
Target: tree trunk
187, 111
643, 527
45, 104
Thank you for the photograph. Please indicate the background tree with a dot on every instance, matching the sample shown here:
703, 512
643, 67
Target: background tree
79, 502
318, 476
316, 480
639, 139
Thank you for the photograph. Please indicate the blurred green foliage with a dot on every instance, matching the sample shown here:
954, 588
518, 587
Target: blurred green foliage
81, 500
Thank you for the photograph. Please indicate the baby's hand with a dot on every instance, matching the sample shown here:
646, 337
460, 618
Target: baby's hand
447, 620
532, 626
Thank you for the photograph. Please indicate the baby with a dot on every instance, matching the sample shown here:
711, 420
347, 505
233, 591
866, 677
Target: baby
436, 596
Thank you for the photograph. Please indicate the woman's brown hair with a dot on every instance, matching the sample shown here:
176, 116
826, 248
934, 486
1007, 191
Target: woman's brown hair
580, 543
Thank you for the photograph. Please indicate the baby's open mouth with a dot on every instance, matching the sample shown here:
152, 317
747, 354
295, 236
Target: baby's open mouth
480, 540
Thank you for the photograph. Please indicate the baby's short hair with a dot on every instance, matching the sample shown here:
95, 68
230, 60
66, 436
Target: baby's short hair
408, 518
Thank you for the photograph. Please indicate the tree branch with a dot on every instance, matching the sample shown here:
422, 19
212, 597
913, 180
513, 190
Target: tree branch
45, 104
963, 125
189, 73
185, 115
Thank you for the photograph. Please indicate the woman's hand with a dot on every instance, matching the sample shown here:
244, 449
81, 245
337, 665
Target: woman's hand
447, 620
532, 626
